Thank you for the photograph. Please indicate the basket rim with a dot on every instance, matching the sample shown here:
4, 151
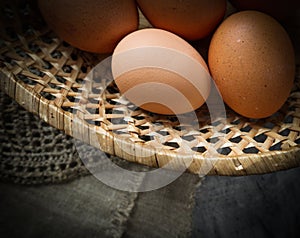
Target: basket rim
245, 164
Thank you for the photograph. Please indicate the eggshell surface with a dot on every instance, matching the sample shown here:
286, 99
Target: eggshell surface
160, 72
251, 59
193, 19
91, 25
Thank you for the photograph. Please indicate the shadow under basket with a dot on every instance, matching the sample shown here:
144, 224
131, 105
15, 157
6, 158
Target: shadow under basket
50, 78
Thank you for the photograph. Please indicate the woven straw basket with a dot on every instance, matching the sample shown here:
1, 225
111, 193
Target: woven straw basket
45, 75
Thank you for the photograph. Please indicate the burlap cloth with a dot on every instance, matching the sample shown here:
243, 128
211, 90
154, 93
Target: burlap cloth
31, 151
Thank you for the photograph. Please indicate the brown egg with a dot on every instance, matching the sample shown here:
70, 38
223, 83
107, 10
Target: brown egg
278, 9
160, 72
192, 20
252, 61
91, 25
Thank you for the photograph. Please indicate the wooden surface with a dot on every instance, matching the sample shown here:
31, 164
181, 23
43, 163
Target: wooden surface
251, 206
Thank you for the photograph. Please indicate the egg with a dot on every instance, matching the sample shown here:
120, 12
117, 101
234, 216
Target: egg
91, 25
251, 59
160, 72
192, 20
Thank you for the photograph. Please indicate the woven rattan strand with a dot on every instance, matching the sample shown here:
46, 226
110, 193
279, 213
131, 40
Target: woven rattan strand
45, 75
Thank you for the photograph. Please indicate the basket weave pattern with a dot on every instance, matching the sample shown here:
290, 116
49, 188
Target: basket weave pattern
47, 77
